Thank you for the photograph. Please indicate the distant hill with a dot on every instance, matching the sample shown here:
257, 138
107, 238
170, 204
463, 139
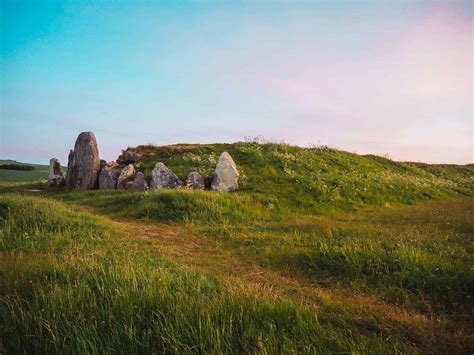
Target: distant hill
40, 172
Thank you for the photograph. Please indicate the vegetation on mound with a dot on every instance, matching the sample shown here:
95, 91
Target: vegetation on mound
313, 179
279, 183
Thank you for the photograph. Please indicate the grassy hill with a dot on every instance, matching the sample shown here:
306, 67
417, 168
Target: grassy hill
280, 181
320, 251
40, 172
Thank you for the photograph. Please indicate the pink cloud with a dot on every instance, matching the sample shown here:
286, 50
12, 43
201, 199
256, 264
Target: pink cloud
412, 91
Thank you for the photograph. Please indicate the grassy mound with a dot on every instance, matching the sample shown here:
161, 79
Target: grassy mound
309, 179
279, 182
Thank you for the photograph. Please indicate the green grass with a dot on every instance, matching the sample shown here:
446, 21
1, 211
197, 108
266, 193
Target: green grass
320, 251
40, 172
314, 179
280, 182
421, 255
101, 292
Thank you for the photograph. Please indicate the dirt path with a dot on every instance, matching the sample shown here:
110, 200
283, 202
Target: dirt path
209, 255
367, 312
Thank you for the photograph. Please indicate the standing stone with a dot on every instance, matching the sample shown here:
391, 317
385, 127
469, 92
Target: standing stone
125, 176
83, 163
195, 181
56, 176
139, 183
226, 176
108, 176
163, 177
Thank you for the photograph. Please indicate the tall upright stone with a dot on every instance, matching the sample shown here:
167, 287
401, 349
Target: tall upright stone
163, 177
56, 175
83, 163
226, 176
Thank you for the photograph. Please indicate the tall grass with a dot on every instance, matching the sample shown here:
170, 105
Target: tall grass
74, 282
423, 255
114, 296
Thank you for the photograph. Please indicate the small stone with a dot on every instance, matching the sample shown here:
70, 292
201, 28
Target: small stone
139, 183
163, 177
129, 185
125, 176
195, 181
129, 156
226, 176
56, 175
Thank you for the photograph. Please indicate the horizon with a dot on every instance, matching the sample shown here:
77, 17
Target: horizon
255, 140
385, 78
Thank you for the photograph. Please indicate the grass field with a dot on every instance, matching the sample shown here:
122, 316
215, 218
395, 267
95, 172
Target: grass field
321, 251
40, 172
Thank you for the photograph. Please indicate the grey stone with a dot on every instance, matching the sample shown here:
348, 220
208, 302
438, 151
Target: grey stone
125, 176
56, 175
128, 156
164, 178
195, 181
139, 183
129, 185
83, 163
226, 176
108, 176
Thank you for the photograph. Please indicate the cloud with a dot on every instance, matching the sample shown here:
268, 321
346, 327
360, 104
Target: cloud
411, 88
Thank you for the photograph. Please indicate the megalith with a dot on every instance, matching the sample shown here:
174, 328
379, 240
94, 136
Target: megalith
163, 177
83, 163
195, 181
139, 183
108, 176
125, 176
226, 176
56, 175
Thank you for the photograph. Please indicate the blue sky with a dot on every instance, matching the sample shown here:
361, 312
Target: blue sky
382, 77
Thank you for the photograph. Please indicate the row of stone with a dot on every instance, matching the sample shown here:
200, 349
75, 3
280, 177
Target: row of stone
87, 171
113, 177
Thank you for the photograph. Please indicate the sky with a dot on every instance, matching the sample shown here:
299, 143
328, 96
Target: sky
392, 78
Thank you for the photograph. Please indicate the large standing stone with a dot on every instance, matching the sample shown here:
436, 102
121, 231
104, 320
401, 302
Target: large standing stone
56, 176
195, 181
83, 163
125, 176
163, 177
226, 176
139, 183
108, 176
